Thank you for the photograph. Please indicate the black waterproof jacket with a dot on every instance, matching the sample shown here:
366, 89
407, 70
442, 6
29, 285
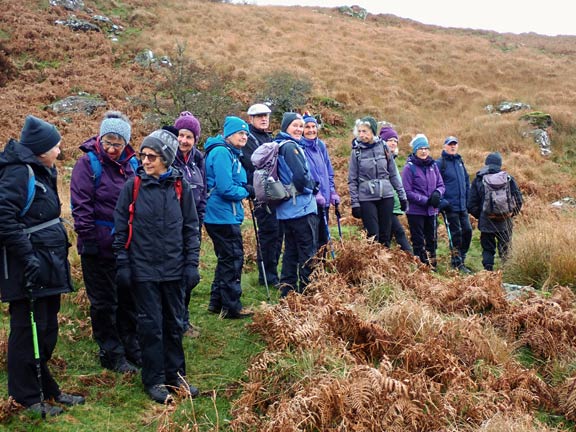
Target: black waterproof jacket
50, 244
165, 236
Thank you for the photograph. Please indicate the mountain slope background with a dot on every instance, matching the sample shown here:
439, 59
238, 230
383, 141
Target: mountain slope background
420, 78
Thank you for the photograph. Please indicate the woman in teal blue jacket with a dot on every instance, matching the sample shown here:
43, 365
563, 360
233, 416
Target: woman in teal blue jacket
226, 185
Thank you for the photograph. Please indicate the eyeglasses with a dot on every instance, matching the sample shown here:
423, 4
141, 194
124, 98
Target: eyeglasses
423, 149
108, 144
392, 139
151, 157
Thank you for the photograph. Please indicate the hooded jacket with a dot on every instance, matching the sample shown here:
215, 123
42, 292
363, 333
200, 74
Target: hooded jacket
225, 177
372, 174
165, 233
192, 167
456, 181
476, 201
320, 166
50, 245
93, 207
421, 177
294, 172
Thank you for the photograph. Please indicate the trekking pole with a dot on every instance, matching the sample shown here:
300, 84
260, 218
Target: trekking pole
259, 249
329, 237
338, 215
448, 231
36, 352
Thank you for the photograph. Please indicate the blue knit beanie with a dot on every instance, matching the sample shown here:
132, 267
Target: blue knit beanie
418, 142
234, 124
309, 118
116, 123
39, 135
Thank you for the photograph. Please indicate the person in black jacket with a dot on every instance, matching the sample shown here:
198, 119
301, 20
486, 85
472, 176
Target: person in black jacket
495, 232
34, 256
270, 234
157, 248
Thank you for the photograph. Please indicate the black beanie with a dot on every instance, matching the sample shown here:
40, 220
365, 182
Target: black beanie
39, 135
494, 160
287, 120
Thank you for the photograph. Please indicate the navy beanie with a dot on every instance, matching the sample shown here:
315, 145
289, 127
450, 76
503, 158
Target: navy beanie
309, 118
39, 135
234, 124
494, 160
287, 120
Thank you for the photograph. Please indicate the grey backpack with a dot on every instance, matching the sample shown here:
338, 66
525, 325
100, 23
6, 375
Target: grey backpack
267, 186
498, 202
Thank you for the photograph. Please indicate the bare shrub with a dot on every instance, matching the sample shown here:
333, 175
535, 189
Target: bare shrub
285, 91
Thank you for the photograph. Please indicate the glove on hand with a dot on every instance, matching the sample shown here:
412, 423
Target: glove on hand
124, 276
357, 212
316, 188
334, 199
89, 248
31, 271
445, 206
320, 200
191, 276
403, 205
434, 199
250, 190
337, 211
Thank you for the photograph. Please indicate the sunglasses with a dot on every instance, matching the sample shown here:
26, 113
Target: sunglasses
108, 144
151, 157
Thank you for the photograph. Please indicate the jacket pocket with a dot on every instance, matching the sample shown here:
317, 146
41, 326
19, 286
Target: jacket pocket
53, 266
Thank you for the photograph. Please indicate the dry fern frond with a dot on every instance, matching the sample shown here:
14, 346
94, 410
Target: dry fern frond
567, 398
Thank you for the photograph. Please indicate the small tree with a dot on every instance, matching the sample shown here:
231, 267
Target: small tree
285, 92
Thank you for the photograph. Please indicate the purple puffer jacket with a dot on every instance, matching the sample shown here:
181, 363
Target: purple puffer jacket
421, 177
93, 208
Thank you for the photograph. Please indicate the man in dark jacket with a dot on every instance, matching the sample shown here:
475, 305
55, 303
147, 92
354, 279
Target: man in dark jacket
35, 270
157, 246
494, 231
93, 200
454, 202
268, 225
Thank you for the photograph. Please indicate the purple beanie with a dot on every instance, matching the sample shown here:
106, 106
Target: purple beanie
388, 132
189, 122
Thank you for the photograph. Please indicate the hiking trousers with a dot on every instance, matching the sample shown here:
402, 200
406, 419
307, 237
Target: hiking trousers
160, 308
377, 219
423, 235
226, 290
23, 383
461, 231
270, 236
399, 234
492, 240
112, 311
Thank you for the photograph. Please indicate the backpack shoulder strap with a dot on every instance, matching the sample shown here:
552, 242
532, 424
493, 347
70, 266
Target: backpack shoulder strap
412, 169
133, 161
96, 166
31, 190
443, 166
135, 190
178, 189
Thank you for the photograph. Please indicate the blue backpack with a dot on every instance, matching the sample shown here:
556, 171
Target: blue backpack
31, 190
96, 166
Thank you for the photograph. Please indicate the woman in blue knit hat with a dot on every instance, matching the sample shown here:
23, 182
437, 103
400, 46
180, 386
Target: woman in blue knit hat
35, 270
424, 189
227, 187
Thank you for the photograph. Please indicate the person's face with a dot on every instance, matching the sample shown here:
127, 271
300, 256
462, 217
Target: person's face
260, 121
310, 130
152, 162
186, 140
392, 144
365, 134
423, 152
451, 148
296, 129
48, 159
238, 139
113, 146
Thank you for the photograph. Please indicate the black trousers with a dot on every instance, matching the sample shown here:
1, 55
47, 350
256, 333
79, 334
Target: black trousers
492, 240
423, 235
112, 311
300, 246
377, 219
270, 236
461, 232
160, 308
399, 234
226, 290
23, 383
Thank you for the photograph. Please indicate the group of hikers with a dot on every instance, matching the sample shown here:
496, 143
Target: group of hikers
138, 217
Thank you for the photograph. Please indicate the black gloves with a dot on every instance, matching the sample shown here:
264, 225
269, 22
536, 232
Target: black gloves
191, 276
124, 276
434, 199
31, 271
337, 211
403, 205
445, 206
357, 212
316, 188
89, 248
250, 190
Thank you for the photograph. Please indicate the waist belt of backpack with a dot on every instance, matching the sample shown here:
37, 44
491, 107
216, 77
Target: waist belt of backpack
41, 226
108, 224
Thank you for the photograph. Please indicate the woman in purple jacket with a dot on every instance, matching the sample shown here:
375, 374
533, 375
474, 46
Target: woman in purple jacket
424, 189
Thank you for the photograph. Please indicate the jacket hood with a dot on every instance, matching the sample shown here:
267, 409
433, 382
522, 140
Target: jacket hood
283, 136
420, 162
450, 157
487, 169
359, 144
15, 153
